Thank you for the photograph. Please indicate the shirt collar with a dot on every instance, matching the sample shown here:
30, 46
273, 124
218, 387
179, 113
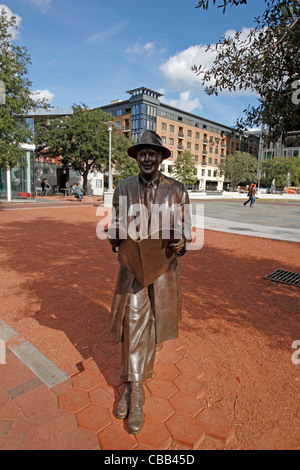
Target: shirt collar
154, 181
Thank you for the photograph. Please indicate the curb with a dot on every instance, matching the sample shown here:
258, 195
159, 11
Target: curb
42, 367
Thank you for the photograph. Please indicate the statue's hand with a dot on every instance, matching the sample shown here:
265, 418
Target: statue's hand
115, 243
177, 246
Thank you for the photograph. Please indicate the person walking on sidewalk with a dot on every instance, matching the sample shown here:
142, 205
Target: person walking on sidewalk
253, 193
249, 195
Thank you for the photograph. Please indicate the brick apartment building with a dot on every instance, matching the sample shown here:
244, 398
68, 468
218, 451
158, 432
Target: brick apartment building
180, 130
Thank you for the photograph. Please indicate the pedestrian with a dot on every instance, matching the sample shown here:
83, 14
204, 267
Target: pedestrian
45, 186
249, 195
145, 316
253, 194
78, 192
68, 187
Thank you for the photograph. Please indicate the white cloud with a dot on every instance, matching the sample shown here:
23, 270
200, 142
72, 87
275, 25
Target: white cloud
40, 94
185, 102
107, 34
148, 49
14, 32
177, 69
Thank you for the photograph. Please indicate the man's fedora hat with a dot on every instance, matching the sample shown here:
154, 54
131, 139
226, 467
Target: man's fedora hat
149, 139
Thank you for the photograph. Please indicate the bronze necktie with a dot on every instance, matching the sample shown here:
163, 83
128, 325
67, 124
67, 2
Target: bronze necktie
149, 200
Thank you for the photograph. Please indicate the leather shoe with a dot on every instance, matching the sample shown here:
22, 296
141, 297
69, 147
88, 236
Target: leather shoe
123, 405
136, 415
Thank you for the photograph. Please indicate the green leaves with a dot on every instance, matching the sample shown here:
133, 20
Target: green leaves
278, 168
81, 140
18, 101
125, 165
239, 166
266, 62
185, 169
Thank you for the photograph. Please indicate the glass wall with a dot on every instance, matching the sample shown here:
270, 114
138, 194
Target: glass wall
2, 183
21, 179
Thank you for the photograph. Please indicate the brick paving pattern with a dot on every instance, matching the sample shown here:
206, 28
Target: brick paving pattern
79, 413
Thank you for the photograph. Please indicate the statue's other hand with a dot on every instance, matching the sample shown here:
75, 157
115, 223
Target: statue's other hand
177, 246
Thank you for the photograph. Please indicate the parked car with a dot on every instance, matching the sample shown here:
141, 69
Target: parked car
290, 191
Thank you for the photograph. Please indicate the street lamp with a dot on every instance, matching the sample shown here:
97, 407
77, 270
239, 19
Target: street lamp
108, 195
109, 127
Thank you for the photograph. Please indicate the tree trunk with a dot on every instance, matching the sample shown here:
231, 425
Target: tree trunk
85, 181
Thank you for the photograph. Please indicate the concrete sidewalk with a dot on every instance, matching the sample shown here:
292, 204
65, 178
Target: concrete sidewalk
277, 221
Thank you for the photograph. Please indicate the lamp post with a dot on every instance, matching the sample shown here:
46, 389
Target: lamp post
108, 195
109, 127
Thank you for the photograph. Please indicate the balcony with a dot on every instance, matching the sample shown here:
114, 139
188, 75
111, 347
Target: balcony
205, 141
204, 162
180, 148
180, 135
204, 152
126, 129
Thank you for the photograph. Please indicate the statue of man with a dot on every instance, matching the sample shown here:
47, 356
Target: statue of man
144, 316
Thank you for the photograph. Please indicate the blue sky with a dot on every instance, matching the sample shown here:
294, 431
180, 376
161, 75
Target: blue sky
93, 51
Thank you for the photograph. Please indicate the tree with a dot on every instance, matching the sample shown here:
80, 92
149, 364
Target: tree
184, 168
239, 166
16, 95
124, 165
81, 140
278, 168
266, 61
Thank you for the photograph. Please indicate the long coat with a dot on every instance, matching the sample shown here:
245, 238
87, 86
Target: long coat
166, 299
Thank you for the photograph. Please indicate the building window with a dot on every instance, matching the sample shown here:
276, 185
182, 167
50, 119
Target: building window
189, 145
189, 133
197, 135
203, 172
163, 126
171, 128
118, 124
196, 146
163, 139
171, 141
162, 167
170, 168
216, 150
196, 158
210, 160
210, 150
209, 173
215, 173
216, 161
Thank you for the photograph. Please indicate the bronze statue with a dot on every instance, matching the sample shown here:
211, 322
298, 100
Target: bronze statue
144, 315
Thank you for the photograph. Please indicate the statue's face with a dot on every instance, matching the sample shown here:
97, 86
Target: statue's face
148, 160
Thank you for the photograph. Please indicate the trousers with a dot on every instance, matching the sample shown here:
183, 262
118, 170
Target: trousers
139, 338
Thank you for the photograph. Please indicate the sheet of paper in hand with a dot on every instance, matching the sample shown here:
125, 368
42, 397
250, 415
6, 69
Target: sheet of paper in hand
148, 258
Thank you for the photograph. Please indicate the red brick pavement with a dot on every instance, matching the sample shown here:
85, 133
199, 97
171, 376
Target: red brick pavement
79, 414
